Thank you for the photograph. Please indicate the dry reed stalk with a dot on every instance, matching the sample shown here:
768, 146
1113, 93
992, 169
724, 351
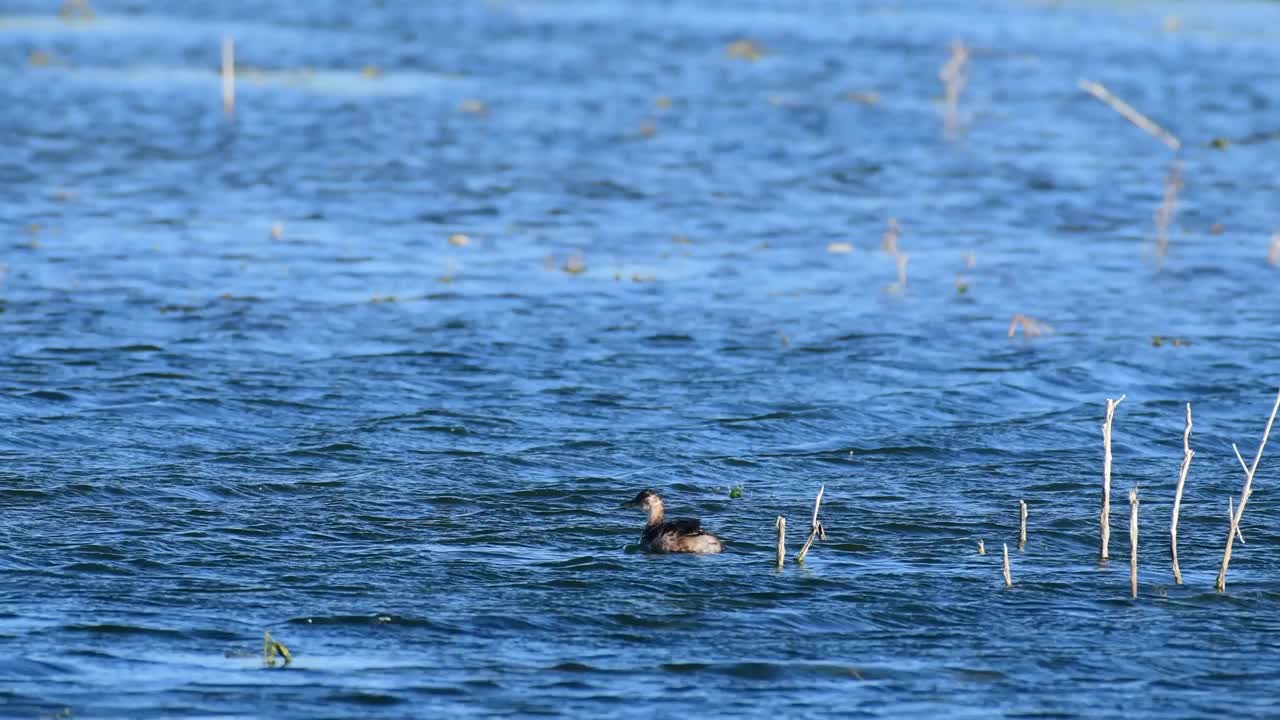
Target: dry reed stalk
889, 241
1129, 113
1008, 579
271, 647
1221, 584
1187, 454
901, 259
982, 548
781, 524
1031, 327
954, 76
815, 528
1106, 476
1168, 208
1022, 524
1231, 512
1133, 542
228, 76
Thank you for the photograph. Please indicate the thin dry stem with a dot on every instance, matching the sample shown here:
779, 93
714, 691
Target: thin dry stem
228, 76
1022, 524
1008, 579
889, 241
271, 647
1168, 208
1130, 114
1133, 542
1231, 513
954, 76
1105, 520
815, 529
781, 524
1187, 454
1221, 584
1031, 327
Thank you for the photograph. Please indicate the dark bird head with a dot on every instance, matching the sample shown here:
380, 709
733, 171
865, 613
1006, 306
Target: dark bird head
641, 500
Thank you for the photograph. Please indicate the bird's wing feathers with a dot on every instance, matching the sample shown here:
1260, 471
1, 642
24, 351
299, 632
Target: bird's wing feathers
684, 526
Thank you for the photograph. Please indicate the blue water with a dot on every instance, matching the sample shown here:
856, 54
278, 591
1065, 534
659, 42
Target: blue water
248, 384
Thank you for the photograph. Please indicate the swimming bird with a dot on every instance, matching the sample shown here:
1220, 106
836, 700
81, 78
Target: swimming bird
671, 536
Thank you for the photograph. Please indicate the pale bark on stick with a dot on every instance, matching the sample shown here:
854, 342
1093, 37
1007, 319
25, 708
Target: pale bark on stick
1164, 215
228, 76
271, 648
1022, 524
1133, 542
815, 529
781, 524
1231, 513
1187, 454
1221, 584
954, 76
1105, 520
1008, 580
1130, 114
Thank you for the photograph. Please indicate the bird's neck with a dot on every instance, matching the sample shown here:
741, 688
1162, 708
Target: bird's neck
655, 512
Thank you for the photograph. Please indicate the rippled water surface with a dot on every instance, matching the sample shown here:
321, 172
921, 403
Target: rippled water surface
249, 384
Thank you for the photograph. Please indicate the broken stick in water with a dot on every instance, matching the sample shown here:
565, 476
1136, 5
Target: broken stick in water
1221, 584
954, 76
271, 647
1106, 475
228, 76
1187, 454
1133, 542
815, 528
1164, 215
1231, 513
1130, 114
1022, 525
781, 524
1008, 580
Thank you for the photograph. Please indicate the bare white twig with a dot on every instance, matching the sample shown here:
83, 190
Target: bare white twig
1130, 114
1105, 520
1008, 580
1133, 542
228, 76
1168, 209
1243, 466
1022, 525
1231, 514
815, 529
954, 76
781, 524
1187, 454
1221, 584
